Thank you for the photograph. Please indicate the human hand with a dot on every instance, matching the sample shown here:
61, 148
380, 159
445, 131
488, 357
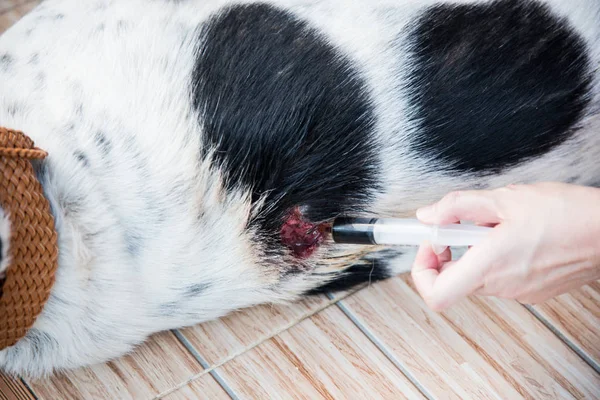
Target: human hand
545, 242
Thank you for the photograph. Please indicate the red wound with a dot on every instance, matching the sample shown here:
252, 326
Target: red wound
300, 236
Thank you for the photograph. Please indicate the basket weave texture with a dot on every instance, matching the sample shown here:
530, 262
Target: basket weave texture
33, 249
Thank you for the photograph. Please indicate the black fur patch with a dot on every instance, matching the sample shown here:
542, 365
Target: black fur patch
6, 61
289, 117
82, 158
104, 145
495, 84
354, 276
34, 59
133, 243
196, 290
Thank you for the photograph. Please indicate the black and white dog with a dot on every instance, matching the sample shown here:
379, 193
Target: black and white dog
183, 135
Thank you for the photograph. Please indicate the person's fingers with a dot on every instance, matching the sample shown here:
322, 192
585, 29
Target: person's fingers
444, 256
439, 249
447, 265
475, 206
485, 291
464, 277
425, 270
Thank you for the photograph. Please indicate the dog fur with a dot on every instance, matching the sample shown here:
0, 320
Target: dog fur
4, 243
181, 133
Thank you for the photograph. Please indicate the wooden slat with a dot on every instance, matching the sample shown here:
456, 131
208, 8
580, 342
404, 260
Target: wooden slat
203, 388
156, 366
6, 5
13, 389
220, 339
325, 356
8, 18
481, 348
576, 316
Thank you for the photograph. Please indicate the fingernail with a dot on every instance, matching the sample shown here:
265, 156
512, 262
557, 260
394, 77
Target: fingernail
439, 249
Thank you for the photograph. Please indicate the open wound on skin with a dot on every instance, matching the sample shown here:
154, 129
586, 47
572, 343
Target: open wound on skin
301, 237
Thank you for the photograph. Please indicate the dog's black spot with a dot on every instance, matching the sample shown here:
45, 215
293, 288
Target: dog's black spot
355, 275
573, 179
71, 203
70, 127
58, 17
122, 26
100, 28
372, 268
104, 145
196, 290
34, 59
79, 109
82, 158
495, 84
100, 6
289, 116
15, 108
133, 243
168, 309
6, 62
40, 80
39, 343
60, 300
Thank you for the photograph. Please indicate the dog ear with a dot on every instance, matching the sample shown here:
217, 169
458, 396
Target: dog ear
4, 242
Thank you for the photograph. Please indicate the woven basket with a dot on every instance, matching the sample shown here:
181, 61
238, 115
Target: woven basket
33, 250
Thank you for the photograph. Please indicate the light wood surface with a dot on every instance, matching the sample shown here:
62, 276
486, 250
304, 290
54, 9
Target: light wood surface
203, 388
479, 349
325, 356
11, 11
156, 366
576, 315
13, 389
220, 339
6, 5
381, 342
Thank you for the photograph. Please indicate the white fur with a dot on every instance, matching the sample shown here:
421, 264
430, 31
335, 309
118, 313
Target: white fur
119, 70
5, 240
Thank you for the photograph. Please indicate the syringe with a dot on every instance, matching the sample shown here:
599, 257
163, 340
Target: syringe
407, 232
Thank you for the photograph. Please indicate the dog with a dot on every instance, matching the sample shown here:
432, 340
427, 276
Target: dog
184, 135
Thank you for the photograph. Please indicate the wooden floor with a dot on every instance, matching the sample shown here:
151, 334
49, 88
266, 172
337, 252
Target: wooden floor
379, 342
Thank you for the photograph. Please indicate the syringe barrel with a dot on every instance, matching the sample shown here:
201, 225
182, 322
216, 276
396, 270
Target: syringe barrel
396, 231
353, 230
407, 232
461, 235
